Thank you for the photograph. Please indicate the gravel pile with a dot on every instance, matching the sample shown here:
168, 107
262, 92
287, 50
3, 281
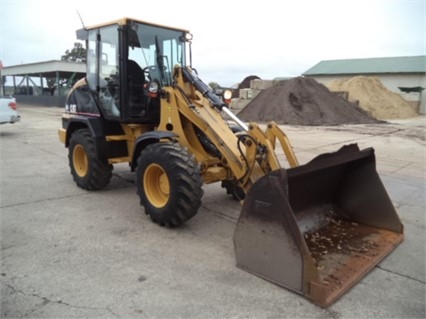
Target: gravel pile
303, 101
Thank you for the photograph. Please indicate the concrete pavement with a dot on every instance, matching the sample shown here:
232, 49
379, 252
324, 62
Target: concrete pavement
67, 253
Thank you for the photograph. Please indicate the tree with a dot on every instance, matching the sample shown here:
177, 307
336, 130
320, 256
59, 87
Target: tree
214, 85
76, 54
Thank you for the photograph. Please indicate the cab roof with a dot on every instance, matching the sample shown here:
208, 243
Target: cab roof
126, 20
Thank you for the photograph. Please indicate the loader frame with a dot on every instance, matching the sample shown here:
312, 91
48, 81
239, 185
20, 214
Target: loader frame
176, 134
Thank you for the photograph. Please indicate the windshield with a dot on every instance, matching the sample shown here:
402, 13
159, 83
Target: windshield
152, 53
158, 49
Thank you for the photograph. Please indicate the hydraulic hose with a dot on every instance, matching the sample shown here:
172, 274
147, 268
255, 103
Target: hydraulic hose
207, 92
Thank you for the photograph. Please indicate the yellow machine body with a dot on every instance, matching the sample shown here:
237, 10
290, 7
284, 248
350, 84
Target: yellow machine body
315, 229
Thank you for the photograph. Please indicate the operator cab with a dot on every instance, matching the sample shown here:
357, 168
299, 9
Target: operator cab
128, 62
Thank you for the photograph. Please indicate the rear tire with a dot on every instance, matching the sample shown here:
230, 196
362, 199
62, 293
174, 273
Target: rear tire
88, 171
169, 183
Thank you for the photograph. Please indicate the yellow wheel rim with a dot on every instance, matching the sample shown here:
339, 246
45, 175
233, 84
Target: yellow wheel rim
156, 185
80, 161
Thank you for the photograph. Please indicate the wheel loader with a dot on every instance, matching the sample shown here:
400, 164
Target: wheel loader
315, 229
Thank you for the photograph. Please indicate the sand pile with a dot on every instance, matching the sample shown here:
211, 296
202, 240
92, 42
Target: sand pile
303, 101
374, 97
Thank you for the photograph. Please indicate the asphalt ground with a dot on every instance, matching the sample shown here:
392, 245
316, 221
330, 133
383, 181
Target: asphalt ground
66, 252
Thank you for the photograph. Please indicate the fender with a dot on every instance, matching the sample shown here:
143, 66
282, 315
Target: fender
94, 124
98, 128
149, 138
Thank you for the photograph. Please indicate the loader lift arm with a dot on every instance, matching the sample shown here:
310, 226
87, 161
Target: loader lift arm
245, 159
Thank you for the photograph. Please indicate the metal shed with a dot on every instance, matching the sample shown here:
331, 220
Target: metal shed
42, 83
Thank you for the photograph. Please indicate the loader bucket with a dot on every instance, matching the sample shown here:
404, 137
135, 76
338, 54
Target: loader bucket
318, 228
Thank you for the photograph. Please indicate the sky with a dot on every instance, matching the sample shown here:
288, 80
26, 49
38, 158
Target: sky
232, 39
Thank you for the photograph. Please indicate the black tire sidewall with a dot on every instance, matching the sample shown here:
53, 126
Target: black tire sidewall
174, 161
76, 139
98, 173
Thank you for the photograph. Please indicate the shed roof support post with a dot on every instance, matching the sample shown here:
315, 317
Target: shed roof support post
41, 84
27, 78
1, 84
57, 84
71, 79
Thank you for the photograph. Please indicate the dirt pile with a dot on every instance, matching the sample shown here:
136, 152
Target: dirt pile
374, 97
303, 101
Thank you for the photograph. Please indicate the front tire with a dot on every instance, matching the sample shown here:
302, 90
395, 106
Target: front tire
88, 171
169, 183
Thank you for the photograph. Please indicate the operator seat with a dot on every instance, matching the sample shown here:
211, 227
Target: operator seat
136, 82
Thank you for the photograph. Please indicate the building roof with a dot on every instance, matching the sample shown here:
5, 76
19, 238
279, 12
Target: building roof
407, 64
47, 68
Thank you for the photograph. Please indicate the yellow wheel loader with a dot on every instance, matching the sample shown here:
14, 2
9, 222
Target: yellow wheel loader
315, 229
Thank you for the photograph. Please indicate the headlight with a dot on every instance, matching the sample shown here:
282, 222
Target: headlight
227, 94
153, 89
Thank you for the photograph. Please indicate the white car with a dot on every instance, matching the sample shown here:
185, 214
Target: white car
8, 110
